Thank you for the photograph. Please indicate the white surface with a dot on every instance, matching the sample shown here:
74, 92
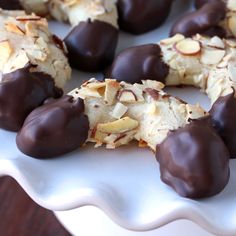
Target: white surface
90, 221
124, 183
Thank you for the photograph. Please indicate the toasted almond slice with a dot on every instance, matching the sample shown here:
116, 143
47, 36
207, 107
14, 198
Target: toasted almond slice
96, 85
216, 42
212, 57
5, 51
231, 43
119, 110
188, 47
111, 90
232, 72
19, 61
119, 126
127, 95
172, 40
153, 84
86, 93
10, 27
231, 5
28, 18
152, 109
99, 136
232, 25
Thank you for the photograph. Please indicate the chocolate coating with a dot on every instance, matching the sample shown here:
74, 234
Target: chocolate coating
194, 160
22, 91
200, 21
223, 114
10, 4
138, 17
199, 3
56, 128
138, 63
92, 45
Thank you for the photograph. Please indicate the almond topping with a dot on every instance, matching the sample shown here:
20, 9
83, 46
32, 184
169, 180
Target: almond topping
119, 126
111, 90
188, 47
10, 27
216, 42
172, 40
119, 110
212, 57
127, 95
5, 51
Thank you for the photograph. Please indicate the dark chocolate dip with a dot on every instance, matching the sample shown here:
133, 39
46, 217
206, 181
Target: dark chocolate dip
58, 127
203, 21
194, 160
92, 45
223, 114
10, 4
139, 63
139, 16
22, 91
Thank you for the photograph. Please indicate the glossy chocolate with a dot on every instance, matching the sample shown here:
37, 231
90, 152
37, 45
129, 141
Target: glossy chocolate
194, 160
56, 128
200, 21
223, 114
199, 3
22, 91
10, 4
139, 16
138, 63
92, 45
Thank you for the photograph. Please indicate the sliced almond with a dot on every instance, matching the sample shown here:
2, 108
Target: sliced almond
99, 136
119, 110
153, 84
28, 18
86, 93
111, 90
231, 5
152, 109
10, 27
19, 61
119, 126
212, 57
216, 42
231, 43
232, 72
127, 95
5, 51
172, 40
232, 25
96, 85
188, 47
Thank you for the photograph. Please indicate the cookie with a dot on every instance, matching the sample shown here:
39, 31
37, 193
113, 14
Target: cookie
33, 66
203, 62
118, 113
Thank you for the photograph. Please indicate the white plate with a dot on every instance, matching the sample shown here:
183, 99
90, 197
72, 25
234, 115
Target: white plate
125, 182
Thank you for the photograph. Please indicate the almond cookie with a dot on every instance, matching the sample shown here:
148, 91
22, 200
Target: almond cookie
114, 114
31, 59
